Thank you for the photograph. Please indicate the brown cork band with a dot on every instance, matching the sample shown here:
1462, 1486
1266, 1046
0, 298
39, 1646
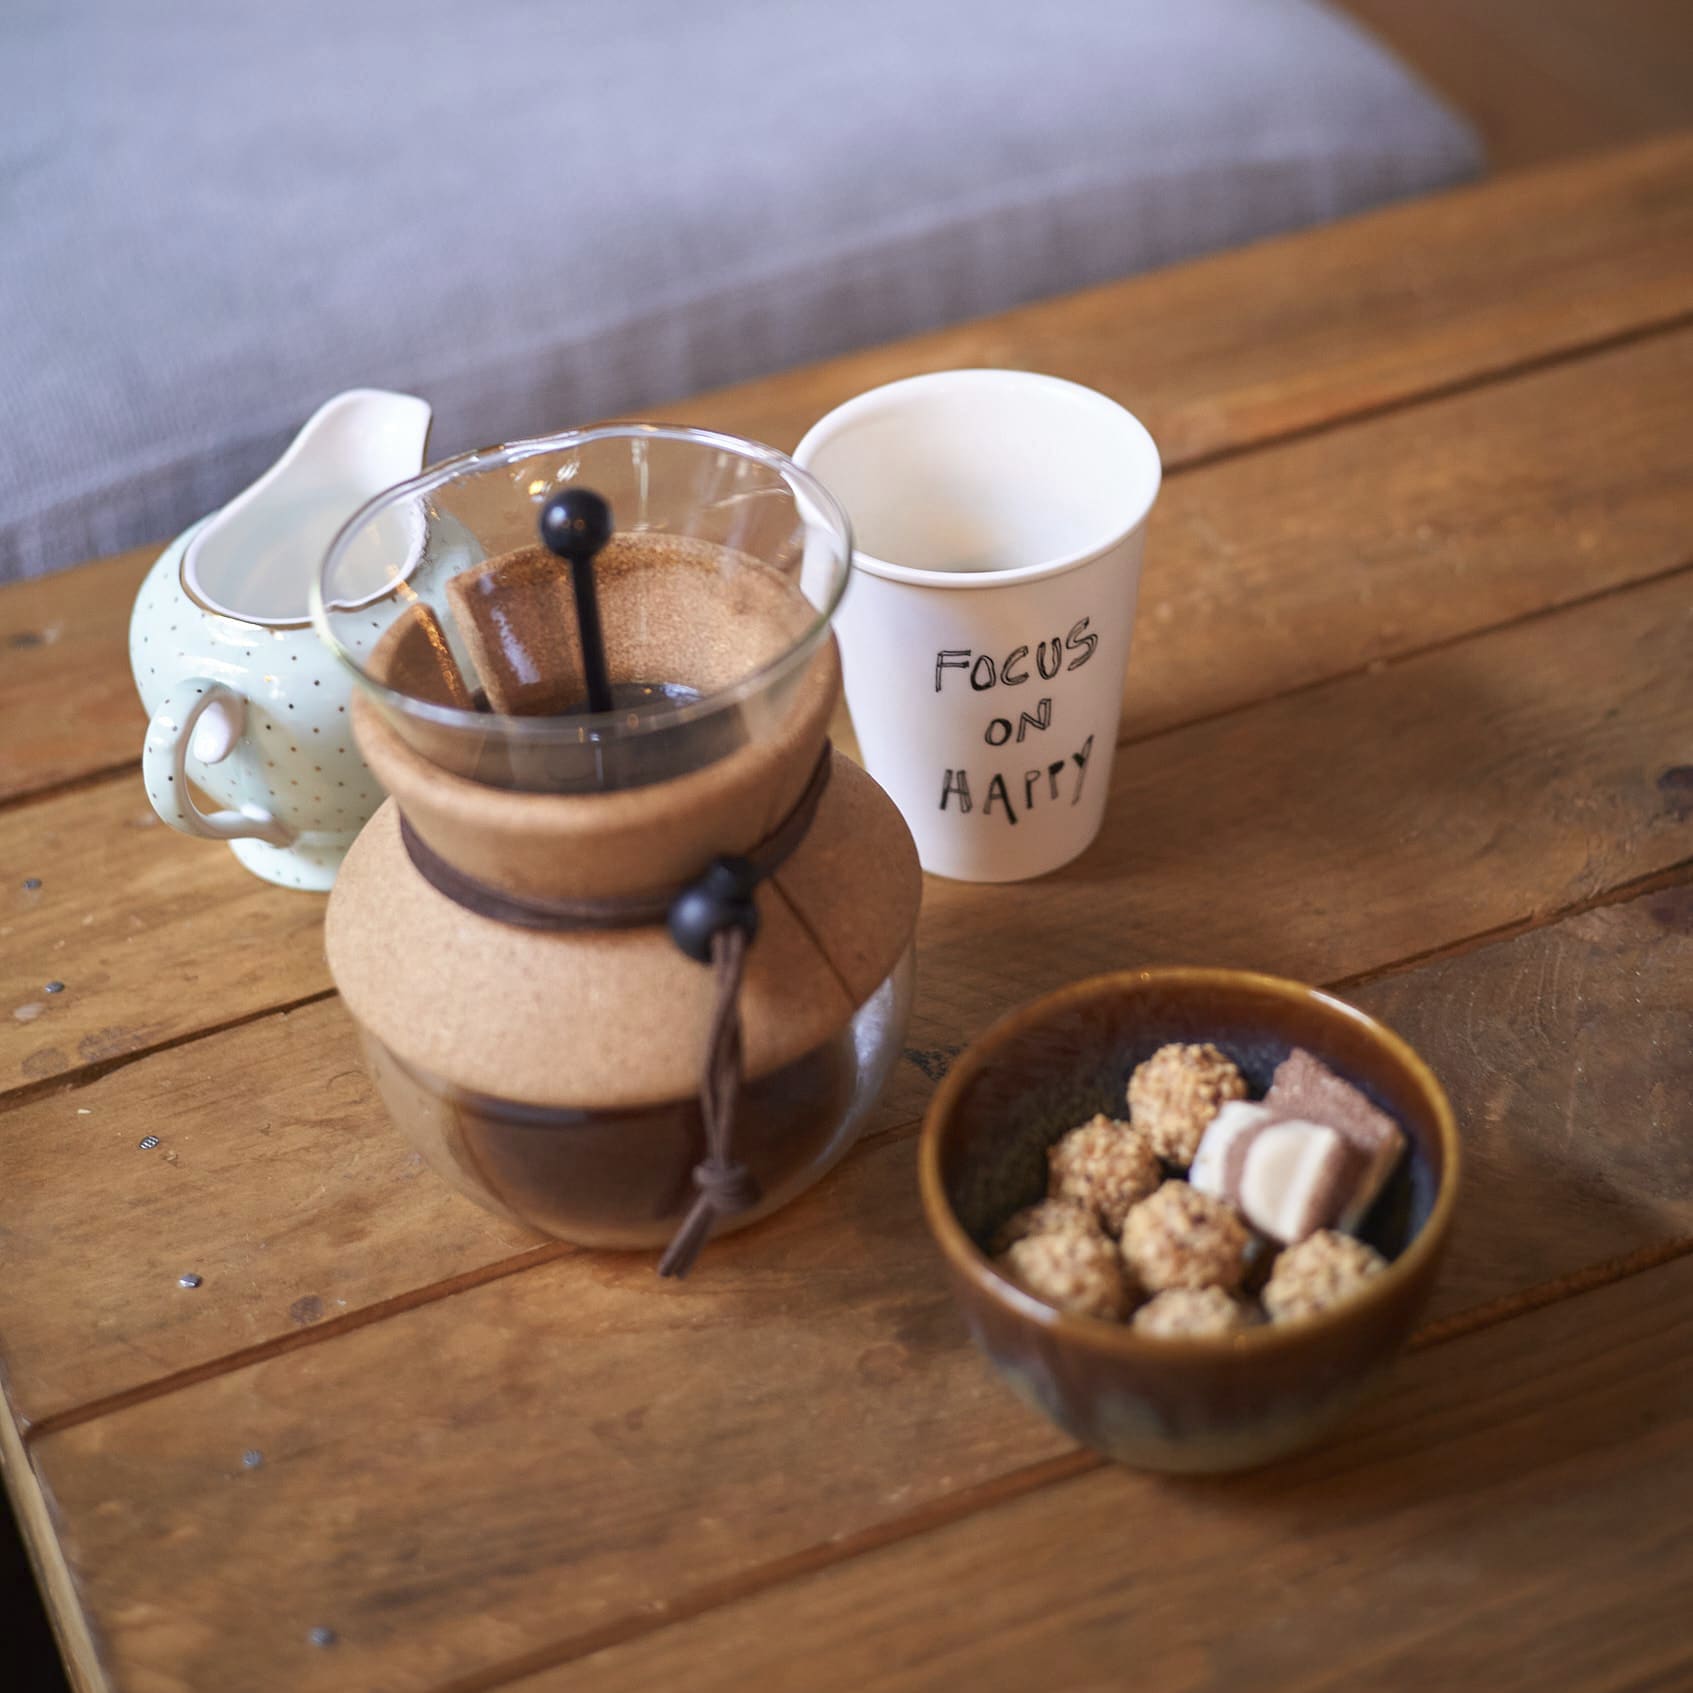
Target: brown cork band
725, 1186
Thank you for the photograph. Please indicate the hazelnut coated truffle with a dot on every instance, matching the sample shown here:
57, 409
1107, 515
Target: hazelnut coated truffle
1105, 1165
1049, 1216
1174, 1095
1199, 1313
1322, 1271
1181, 1237
1081, 1273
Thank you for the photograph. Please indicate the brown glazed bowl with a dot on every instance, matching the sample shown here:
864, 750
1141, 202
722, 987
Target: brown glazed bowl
1166, 1404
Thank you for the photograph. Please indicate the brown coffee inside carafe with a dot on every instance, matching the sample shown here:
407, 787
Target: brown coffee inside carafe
615, 1174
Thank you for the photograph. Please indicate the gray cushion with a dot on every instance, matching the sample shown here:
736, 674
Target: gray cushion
534, 214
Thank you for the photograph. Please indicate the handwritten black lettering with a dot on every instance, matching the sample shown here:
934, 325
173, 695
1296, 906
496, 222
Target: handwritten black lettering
1081, 643
1057, 657
1016, 655
1081, 760
1030, 777
980, 686
999, 732
954, 658
956, 783
996, 790
1053, 772
1041, 719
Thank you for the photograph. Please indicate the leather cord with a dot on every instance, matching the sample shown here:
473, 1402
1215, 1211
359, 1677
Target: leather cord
723, 1185
614, 911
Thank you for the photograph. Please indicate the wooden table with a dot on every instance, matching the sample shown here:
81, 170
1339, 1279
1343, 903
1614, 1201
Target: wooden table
1411, 713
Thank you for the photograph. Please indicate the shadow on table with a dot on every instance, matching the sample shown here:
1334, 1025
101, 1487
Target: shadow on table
31, 1657
1330, 786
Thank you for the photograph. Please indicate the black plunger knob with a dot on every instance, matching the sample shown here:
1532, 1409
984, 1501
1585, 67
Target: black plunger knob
720, 899
576, 523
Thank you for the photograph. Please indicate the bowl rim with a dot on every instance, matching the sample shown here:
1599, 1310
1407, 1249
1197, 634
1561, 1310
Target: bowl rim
1098, 1334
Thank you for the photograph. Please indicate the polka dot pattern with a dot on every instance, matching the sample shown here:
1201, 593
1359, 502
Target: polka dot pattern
322, 789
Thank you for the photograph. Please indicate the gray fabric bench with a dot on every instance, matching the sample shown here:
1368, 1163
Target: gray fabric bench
534, 214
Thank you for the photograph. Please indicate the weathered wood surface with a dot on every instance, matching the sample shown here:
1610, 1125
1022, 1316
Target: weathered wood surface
1472, 788
71, 1629
276, 1178
1518, 1514
1568, 1054
580, 1443
1264, 575
154, 935
1341, 829
496, 1457
566, 1451
1343, 320
1297, 563
67, 704
1548, 79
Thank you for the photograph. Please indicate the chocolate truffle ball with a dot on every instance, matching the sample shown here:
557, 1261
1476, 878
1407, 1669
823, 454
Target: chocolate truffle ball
1050, 1216
1181, 1237
1106, 1166
1202, 1313
1076, 1272
1324, 1270
1176, 1093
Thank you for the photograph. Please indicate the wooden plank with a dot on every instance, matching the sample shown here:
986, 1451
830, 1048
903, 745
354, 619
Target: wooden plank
68, 705
276, 1178
1468, 789
1365, 313
1547, 79
1265, 574
1340, 830
1567, 1056
152, 934
562, 1455
583, 1431
1516, 1516
35, 1521
1299, 562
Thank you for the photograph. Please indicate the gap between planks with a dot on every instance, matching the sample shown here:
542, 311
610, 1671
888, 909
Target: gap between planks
1440, 644
1531, 365
85, 1075
985, 1496
1460, 1323
1367, 412
1654, 881
28, 1092
23, 798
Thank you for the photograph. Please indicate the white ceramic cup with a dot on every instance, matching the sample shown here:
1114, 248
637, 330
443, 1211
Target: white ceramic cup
998, 518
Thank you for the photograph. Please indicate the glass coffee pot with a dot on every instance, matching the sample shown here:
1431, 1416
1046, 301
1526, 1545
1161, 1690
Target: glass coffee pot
629, 947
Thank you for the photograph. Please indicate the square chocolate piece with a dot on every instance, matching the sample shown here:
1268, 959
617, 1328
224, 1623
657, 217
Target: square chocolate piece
1305, 1088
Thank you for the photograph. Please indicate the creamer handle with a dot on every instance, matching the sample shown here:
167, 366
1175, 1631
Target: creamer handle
206, 718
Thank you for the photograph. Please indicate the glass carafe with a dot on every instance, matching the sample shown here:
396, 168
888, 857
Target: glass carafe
551, 1069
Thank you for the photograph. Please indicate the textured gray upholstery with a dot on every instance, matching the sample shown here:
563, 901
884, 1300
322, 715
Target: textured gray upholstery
536, 212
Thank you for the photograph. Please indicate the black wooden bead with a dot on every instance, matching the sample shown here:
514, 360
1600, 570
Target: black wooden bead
720, 899
731, 878
576, 523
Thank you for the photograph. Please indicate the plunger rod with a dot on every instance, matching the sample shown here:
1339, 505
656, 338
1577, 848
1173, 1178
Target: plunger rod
576, 524
588, 629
